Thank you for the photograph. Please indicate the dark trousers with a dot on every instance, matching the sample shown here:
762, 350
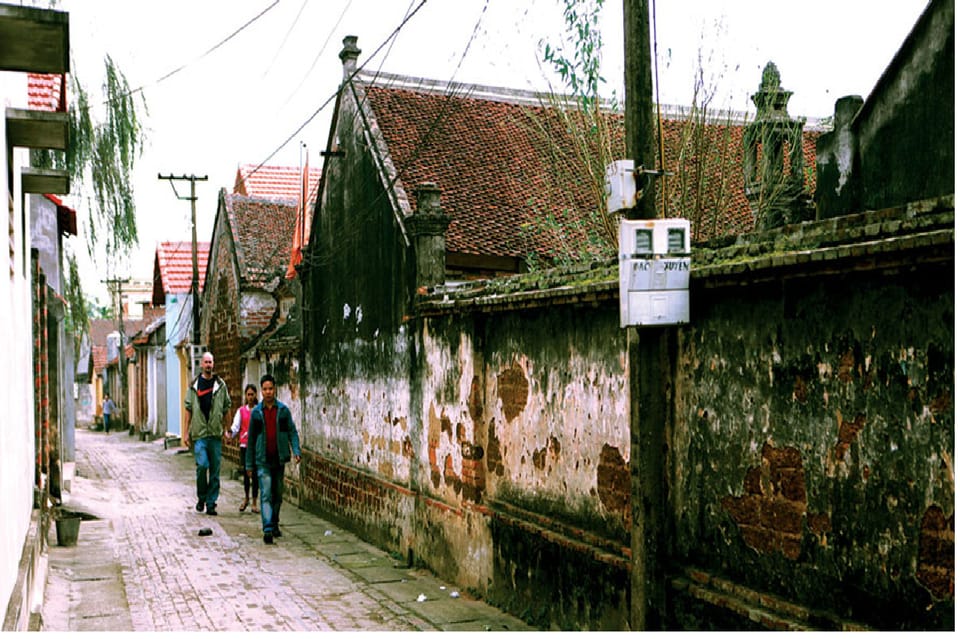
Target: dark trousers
249, 482
106, 422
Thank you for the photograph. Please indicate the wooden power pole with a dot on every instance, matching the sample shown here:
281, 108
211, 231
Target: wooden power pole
648, 350
195, 284
638, 99
121, 355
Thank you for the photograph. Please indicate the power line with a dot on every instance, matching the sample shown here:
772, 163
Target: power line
195, 60
284, 42
334, 95
424, 139
319, 53
217, 45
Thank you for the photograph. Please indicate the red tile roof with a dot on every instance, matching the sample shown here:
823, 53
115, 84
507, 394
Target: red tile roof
274, 182
262, 231
505, 163
46, 92
100, 329
173, 268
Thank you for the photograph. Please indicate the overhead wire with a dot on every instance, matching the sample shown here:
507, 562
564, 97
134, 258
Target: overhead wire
320, 52
284, 41
424, 140
334, 95
392, 39
219, 44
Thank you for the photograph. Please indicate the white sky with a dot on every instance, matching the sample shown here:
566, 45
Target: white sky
238, 104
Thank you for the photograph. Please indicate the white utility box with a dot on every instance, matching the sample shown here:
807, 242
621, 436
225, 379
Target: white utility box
654, 272
621, 186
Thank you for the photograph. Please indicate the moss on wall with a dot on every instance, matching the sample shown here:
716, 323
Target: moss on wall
816, 435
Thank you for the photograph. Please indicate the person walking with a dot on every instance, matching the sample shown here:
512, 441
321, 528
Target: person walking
206, 403
271, 437
240, 428
108, 410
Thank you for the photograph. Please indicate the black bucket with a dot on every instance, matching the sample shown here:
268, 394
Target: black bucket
68, 529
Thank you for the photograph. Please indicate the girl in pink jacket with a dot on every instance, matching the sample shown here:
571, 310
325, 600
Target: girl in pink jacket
241, 424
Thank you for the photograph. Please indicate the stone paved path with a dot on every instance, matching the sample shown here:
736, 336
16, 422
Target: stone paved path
140, 564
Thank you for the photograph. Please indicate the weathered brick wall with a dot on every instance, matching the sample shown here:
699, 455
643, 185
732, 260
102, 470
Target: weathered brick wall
814, 442
220, 325
525, 413
484, 431
355, 375
367, 503
256, 310
814, 434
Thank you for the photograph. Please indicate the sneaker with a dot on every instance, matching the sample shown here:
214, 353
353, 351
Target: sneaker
277, 533
212, 511
200, 506
267, 538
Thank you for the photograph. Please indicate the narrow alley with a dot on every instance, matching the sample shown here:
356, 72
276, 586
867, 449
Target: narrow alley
140, 563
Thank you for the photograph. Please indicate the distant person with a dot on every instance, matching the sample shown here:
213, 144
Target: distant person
207, 402
241, 425
270, 439
109, 408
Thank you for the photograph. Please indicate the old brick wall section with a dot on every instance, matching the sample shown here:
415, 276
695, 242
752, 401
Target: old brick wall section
817, 445
221, 300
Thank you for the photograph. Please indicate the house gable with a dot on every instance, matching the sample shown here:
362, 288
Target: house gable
897, 146
173, 269
274, 182
249, 255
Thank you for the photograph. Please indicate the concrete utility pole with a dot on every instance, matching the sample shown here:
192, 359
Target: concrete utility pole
648, 352
121, 361
195, 284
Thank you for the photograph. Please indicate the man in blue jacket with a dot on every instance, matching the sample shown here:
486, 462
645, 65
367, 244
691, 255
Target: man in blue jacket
270, 438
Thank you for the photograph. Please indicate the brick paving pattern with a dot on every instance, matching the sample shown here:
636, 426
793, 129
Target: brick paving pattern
140, 564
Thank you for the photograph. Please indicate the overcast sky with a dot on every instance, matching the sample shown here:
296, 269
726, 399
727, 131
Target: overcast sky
241, 102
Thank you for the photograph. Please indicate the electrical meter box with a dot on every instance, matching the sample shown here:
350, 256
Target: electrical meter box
654, 272
621, 186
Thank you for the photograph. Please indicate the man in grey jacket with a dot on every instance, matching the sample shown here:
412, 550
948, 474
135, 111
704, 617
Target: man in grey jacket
270, 438
207, 402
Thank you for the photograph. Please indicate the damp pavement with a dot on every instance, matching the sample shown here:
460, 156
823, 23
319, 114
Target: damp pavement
140, 564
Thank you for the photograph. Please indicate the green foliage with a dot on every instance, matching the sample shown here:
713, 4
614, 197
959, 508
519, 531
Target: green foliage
576, 239
577, 61
100, 158
117, 143
77, 320
576, 235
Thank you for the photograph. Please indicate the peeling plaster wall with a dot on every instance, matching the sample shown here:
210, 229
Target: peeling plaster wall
544, 395
363, 419
813, 454
257, 308
810, 455
526, 413
356, 372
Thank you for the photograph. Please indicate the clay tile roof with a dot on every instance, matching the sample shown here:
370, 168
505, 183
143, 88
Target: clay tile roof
99, 329
503, 163
173, 268
263, 230
156, 320
274, 182
45, 92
